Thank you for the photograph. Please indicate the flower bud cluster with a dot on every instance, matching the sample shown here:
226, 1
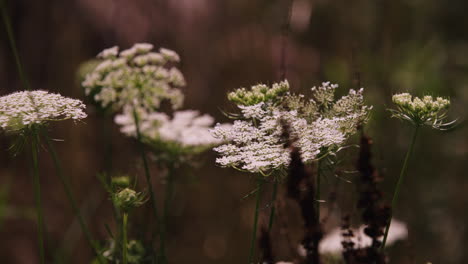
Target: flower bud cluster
259, 93
128, 199
426, 111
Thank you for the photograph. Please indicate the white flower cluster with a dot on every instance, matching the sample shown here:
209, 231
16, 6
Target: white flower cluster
426, 111
137, 76
256, 141
187, 131
22, 109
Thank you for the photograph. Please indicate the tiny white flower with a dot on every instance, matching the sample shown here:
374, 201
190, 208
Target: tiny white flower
108, 53
143, 47
253, 111
176, 77
169, 55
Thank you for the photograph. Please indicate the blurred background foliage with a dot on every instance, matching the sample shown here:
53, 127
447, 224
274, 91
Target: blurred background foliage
420, 46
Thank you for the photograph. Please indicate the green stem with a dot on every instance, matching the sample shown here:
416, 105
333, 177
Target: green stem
124, 238
147, 175
254, 233
400, 180
273, 207
11, 38
317, 192
147, 171
165, 219
71, 198
37, 195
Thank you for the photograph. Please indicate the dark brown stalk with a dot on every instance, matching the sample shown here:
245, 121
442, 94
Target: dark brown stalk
375, 212
301, 189
284, 227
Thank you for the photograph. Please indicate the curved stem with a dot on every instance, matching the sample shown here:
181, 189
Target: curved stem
124, 238
71, 198
400, 180
141, 147
254, 234
37, 195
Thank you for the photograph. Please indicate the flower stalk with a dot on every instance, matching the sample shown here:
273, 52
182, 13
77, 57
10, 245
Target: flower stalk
70, 196
255, 222
141, 147
37, 194
273, 205
145, 165
124, 238
400, 180
126, 200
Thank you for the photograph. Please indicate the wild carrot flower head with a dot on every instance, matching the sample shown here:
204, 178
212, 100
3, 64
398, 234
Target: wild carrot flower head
186, 132
137, 77
426, 111
21, 110
255, 141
